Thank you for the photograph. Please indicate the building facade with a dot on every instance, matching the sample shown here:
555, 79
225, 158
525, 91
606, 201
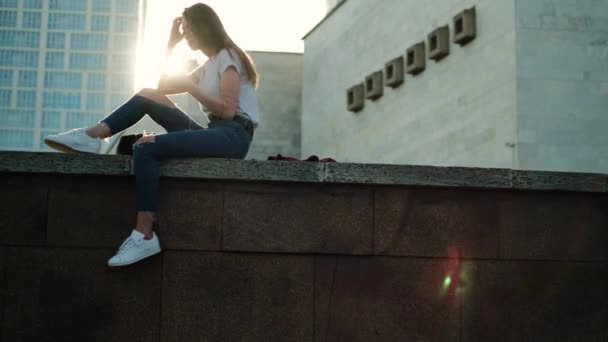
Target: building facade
529, 92
63, 64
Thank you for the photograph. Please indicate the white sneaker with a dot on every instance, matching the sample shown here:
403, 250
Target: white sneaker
135, 248
75, 140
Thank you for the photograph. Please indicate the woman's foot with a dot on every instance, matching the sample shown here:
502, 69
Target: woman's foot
134, 249
75, 140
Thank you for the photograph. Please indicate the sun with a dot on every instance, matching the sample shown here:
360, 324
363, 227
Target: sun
152, 60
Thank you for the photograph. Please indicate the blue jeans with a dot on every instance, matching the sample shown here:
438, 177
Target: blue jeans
184, 138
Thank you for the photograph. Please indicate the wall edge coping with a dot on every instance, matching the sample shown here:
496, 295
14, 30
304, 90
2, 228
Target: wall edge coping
307, 172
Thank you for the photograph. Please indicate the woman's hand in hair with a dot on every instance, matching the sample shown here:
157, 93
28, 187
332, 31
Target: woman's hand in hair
176, 35
175, 84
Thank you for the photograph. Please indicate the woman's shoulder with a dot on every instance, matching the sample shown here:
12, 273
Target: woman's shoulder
228, 54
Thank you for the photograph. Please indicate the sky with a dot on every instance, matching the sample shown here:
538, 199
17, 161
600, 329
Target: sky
260, 25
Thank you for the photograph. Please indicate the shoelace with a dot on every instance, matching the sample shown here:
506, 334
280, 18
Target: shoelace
76, 131
128, 244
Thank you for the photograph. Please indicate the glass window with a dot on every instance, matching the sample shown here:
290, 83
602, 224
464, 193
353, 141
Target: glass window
50, 120
27, 79
6, 78
17, 118
101, 5
118, 99
127, 6
54, 60
26, 39
68, 5
9, 3
8, 19
124, 42
26, 99
61, 100
87, 41
5, 97
96, 101
67, 80
37, 4
31, 20
122, 82
60, 21
87, 61
16, 139
96, 82
80, 119
100, 23
18, 58
55, 40
125, 24
123, 62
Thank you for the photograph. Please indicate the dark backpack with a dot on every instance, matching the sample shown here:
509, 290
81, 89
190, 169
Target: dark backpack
125, 144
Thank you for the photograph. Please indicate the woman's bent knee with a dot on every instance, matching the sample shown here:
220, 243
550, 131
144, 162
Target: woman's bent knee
156, 96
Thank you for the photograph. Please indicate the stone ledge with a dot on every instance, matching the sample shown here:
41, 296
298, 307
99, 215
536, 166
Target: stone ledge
308, 172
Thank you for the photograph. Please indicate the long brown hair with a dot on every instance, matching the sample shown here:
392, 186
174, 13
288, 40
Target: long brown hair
206, 25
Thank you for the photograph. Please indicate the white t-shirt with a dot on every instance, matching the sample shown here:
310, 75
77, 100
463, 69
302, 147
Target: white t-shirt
211, 73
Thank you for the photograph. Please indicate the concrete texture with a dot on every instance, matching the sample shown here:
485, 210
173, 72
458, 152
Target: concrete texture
236, 297
529, 92
280, 104
562, 60
458, 112
307, 172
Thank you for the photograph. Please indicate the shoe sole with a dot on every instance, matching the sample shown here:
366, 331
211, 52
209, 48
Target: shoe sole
63, 148
147, 255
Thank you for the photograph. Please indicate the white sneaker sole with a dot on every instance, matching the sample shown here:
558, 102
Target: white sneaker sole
147, 254
64, 148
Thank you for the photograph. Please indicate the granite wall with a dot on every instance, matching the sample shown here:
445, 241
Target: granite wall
294, 251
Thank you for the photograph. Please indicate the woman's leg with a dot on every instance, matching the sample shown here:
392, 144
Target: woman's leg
228, 140
147, 101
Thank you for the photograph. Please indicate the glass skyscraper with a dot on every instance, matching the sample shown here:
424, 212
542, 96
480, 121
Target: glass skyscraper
63, 64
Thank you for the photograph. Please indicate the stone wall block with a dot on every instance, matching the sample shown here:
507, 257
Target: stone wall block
236, 297
298, 219
436, 222
541, 301
571, 181
23, 211
91, 212
384, 299
554, 226
70, 295
190, 214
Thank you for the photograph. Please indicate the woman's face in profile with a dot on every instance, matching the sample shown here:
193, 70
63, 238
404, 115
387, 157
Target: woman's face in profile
189, 36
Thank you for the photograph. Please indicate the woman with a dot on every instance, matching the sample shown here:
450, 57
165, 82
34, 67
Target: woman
224, 86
